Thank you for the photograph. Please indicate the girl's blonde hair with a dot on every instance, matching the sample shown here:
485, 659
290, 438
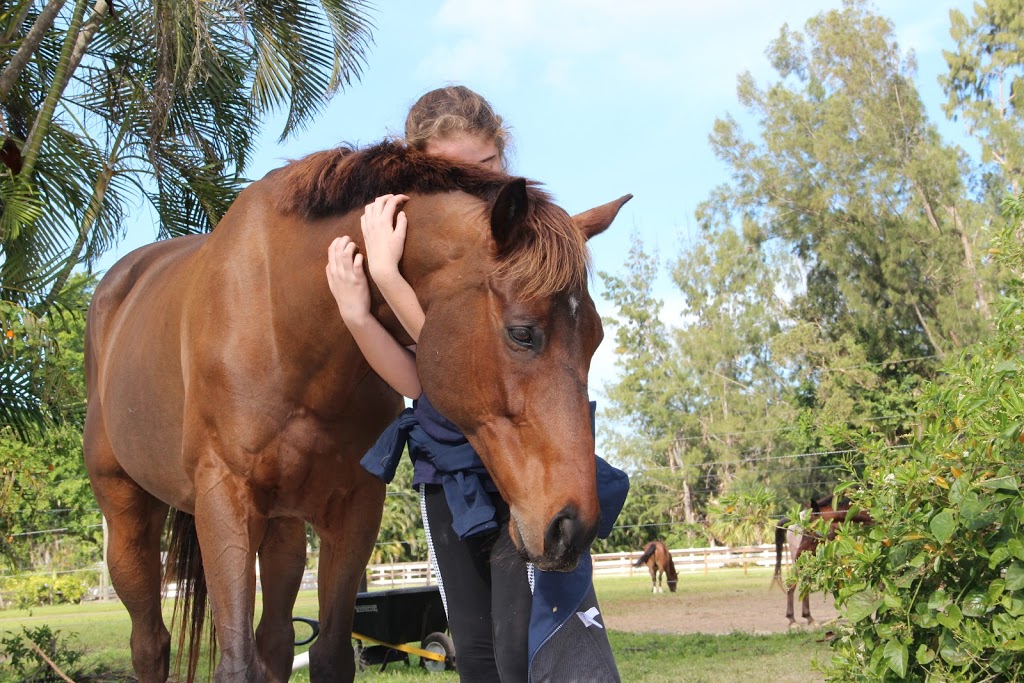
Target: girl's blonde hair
453, 110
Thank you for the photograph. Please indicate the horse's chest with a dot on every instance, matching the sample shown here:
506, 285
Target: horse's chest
311, 457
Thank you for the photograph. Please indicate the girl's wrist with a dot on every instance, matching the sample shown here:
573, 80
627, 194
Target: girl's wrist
387, 277
356, 318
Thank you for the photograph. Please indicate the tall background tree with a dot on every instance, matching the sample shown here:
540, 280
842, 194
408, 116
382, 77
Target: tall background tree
985, 86
105, 104
101, 105
834, 270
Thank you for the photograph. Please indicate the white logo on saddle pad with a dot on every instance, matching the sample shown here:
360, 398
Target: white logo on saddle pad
588, 617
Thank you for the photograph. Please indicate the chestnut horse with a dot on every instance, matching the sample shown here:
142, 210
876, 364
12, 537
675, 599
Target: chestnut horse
222, 383
659, 562
806, 540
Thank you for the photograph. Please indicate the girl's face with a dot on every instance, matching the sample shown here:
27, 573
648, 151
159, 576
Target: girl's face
474, 149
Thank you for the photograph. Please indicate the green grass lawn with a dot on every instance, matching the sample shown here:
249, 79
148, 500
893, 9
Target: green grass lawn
102, 629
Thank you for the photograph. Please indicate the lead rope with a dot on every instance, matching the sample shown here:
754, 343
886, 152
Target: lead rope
434, 567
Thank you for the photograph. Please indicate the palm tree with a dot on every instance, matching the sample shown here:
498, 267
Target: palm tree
103, 103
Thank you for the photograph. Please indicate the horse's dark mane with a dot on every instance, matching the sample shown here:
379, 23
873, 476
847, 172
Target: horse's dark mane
551, 256
343, 179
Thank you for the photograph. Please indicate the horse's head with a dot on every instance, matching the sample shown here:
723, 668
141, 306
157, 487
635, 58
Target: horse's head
506, 348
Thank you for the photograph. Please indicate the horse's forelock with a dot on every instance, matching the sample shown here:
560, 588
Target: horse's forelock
552, 254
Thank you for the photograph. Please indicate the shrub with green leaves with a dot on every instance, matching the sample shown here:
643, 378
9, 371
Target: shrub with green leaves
23, 662
934, 590
25, 592
20, 662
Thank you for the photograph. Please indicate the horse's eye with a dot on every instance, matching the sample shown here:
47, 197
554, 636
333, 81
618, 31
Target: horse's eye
523, 336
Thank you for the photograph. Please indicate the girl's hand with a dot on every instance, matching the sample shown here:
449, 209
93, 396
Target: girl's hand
384, 228
347, 280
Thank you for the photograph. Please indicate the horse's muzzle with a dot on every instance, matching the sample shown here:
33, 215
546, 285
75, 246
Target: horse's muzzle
565, 539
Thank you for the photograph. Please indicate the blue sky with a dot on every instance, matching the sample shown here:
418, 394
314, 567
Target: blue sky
603, 97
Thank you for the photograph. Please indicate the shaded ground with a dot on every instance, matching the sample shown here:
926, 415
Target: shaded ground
701, 606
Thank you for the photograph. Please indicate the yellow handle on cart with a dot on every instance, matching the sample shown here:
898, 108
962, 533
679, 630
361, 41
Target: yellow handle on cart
427, 654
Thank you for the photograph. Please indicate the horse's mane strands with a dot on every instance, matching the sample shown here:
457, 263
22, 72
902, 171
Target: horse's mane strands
342, 179
553, 258
552, 255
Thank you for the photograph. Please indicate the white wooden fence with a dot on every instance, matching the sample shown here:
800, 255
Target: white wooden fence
687, 560
606, 564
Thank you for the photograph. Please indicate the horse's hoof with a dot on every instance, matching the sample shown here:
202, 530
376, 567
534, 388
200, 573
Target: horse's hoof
793, 624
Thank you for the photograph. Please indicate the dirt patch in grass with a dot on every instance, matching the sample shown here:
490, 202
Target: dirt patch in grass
755, 609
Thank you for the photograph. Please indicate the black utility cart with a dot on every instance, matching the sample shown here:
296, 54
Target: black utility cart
387, 621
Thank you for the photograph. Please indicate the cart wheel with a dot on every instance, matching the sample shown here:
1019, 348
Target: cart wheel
440, 644
357, 650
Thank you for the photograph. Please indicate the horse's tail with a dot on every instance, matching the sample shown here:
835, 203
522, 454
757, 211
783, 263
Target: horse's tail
191, 606
780, 538
648, 551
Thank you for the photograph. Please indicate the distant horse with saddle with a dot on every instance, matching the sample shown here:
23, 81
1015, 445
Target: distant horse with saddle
803, 539
223, 385
659, 562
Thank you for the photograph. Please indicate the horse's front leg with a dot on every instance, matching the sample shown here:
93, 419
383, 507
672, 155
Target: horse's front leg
230, 529
347, 534
282, 561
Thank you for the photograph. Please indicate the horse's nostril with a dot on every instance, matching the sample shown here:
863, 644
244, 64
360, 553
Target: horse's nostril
566, 537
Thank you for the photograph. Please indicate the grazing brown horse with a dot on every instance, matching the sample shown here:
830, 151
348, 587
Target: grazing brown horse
805, 540
659, 562
222, 383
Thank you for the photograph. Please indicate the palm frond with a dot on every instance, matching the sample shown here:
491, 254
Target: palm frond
303, 56
21, 207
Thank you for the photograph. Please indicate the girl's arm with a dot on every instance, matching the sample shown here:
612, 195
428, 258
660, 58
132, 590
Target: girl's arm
395, 364
384, 235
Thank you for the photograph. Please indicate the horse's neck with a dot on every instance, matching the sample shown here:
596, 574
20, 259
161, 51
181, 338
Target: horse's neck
444, 248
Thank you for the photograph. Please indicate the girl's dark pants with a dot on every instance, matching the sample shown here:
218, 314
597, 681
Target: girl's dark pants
488, 595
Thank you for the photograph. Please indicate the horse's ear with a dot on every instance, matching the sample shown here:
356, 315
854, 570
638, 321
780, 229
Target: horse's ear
596, 220
814, 505
508, 214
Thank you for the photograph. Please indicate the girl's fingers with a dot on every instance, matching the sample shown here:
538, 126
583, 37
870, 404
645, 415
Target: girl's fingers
400, 225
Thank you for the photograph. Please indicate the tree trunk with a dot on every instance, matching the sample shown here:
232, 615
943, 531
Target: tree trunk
61, 77
979, 290
28, 46
688, 503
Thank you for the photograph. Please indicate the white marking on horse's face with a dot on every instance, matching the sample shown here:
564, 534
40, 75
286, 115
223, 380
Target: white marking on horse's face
574, 305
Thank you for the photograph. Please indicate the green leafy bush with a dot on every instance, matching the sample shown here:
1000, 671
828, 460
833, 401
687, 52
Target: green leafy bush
934, 590
33, 591
21, 662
